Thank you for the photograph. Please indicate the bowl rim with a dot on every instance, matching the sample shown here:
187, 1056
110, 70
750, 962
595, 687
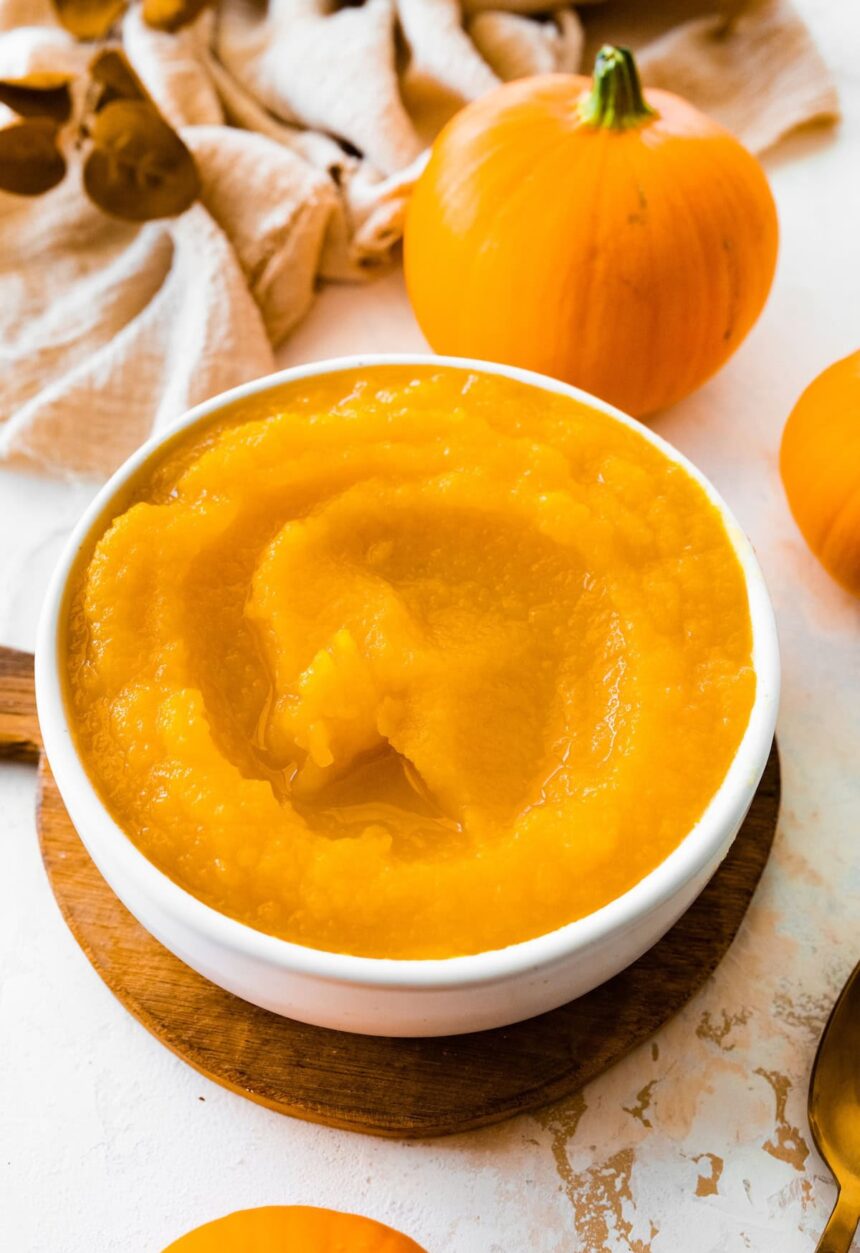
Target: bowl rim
703, 845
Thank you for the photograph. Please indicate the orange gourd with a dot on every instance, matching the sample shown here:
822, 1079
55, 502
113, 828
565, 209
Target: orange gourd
820, 467
293, 1229
621, 244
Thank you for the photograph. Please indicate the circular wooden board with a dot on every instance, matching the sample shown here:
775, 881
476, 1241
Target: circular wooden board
385, 1087
393, 1087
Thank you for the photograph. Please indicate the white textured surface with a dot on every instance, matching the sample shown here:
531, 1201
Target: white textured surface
698, 1142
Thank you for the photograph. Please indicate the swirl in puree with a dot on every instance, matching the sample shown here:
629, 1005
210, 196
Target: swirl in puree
410, 661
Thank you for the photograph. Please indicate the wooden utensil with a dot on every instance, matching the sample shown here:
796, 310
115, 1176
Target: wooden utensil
834, 1113
387, 1087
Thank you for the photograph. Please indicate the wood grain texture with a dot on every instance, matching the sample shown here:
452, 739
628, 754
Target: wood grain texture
393, 1087
388, 1087
19, 726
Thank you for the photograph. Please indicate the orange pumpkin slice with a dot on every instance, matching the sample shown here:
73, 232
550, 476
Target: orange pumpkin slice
293, 1229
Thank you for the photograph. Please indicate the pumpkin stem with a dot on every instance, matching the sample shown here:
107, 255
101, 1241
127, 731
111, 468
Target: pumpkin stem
615, 100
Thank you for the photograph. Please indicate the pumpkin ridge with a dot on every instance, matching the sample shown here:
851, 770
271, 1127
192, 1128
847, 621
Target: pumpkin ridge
514, 205
578, 295
718, 312
833, 523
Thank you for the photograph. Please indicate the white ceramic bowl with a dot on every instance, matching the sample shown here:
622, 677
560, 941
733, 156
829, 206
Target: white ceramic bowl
394, 997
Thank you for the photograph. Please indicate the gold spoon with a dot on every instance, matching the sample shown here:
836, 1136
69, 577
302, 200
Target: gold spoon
834, 1113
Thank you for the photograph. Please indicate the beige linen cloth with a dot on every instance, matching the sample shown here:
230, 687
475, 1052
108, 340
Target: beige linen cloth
308, 122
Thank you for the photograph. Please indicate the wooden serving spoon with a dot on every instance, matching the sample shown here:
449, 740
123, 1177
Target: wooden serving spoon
834, 1113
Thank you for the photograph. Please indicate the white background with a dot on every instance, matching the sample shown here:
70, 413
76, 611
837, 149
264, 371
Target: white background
108, 1142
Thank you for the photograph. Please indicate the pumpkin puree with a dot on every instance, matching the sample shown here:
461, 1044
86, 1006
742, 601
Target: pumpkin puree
411, 661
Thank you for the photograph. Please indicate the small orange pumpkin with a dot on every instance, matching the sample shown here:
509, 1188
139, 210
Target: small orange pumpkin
820, 466
622, 244
293, 1229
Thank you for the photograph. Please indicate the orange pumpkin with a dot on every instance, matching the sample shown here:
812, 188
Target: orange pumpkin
820, 466
623, 245
293, 1229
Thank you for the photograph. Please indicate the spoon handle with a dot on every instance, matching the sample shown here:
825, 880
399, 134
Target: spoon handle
839, 1232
